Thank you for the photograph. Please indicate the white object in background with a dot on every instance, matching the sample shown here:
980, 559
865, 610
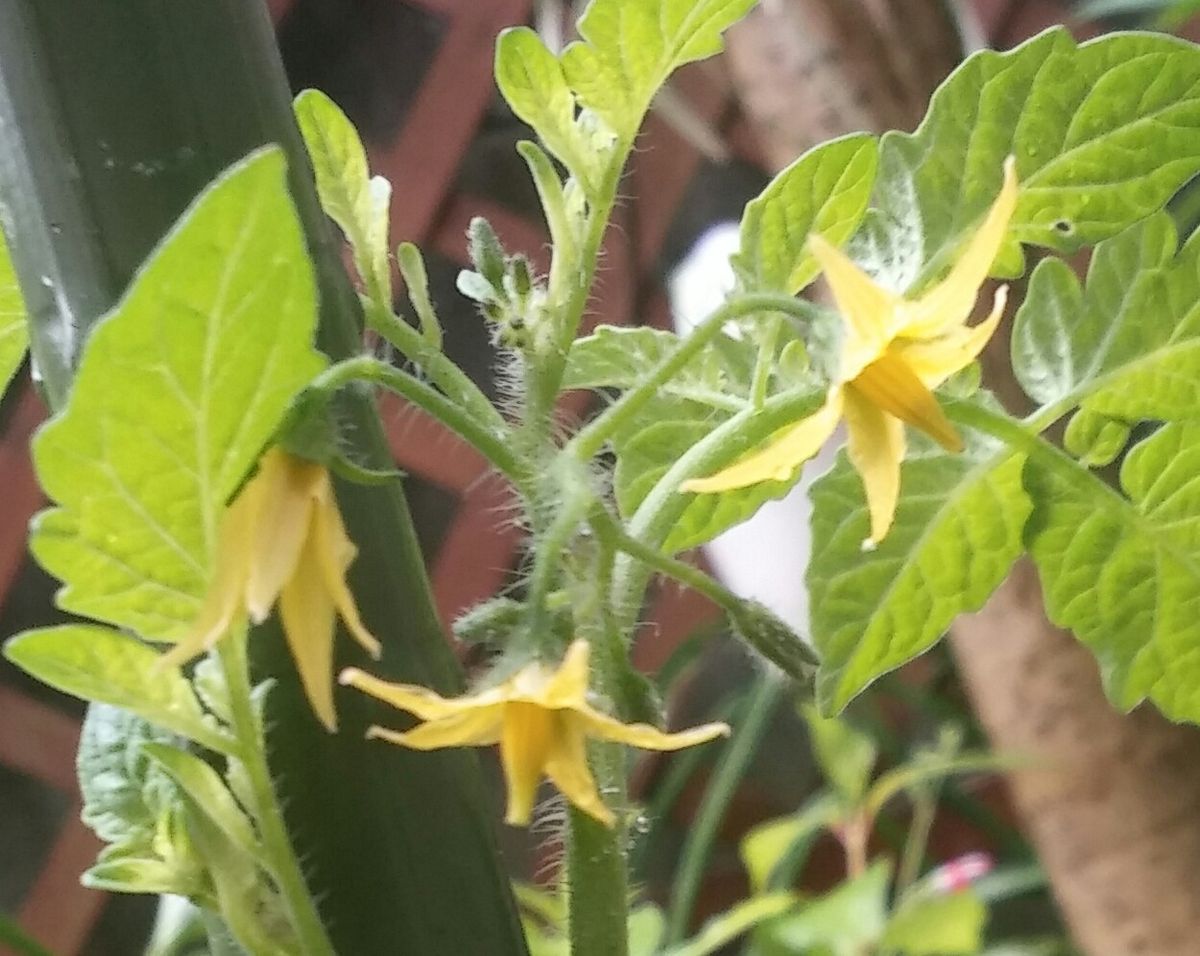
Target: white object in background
765, 558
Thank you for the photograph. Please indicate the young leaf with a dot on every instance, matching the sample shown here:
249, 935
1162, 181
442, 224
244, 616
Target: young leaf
630, 47
945, 925
846, 755
824, 191
134, 874
1122, 572
14, 326
613, 357
1128, 344
358, 203
957, 531
1103, 132
849, 919
100, 664
160, 429
208, 793
1095, 439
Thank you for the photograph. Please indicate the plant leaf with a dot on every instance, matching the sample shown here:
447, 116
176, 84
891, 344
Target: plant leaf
14, 324
1123, 572
956, 533
845, 921
161, 427
945, 925
824, 191
358, 203
1103, 132
100, 664
613, 357
845, 755
630, 47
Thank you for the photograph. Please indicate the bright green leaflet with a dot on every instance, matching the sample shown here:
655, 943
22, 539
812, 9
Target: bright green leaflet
1103, 132
14, 328
1123, 573
100, 664
177, 393
945, 925
1128, 343
846, 921
613, 357
353, 199
957, 531
630, 47
824, 191
845, 755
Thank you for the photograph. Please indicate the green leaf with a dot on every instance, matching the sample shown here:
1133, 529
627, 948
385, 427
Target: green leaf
614, 357
824, 191
358, 203
630, 47
1096, 440
208, 793
647, 927
768, 844
723, 929
845, 755
1128, 343
1104, 133
134, 874
532, 81
667, 431
846, 921
1123, 572
18, 941
100, 664
949, 925
176, 394
956, 533
14, 324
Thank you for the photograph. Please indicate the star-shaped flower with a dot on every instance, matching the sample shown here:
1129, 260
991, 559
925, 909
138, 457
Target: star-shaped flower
282, 538
541, 719
894, 353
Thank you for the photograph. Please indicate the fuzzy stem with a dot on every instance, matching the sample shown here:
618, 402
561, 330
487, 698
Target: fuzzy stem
726, 778
598, 910
592, 438
490, 442
765, 362
277, 847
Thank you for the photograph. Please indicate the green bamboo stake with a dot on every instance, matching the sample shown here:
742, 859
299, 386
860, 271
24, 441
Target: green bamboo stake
113, 115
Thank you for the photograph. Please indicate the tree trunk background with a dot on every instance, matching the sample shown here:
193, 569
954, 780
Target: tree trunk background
1111, 802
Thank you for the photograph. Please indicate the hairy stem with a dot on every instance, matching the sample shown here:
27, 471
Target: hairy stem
285, 867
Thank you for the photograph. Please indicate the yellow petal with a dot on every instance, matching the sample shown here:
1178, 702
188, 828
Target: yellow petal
935, 360
223, 602
336, 553
951, 301
418, 701
876, 448
479, 728
567, 687
781, 456
525, 744
866, 307
890, 385
567, 767
283, 492
307, 612
645, 736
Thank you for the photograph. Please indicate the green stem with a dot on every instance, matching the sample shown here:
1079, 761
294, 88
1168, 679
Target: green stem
486, 438
598, 907
285, 867
660, 509
765, 362
727, 777
548, 564
589, 440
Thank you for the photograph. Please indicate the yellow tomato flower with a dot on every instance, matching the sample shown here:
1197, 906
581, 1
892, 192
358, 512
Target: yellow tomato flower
895, 351
540, 718
282, 538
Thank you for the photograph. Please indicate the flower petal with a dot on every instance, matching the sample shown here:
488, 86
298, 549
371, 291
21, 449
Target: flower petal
283, 492
526, 740
876, 448
891, 386
307, 611
781, 456
935, 360
567, 686
567, 767
643, 735
951, 301
866, 307
419, 701
480, 728
336, 552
